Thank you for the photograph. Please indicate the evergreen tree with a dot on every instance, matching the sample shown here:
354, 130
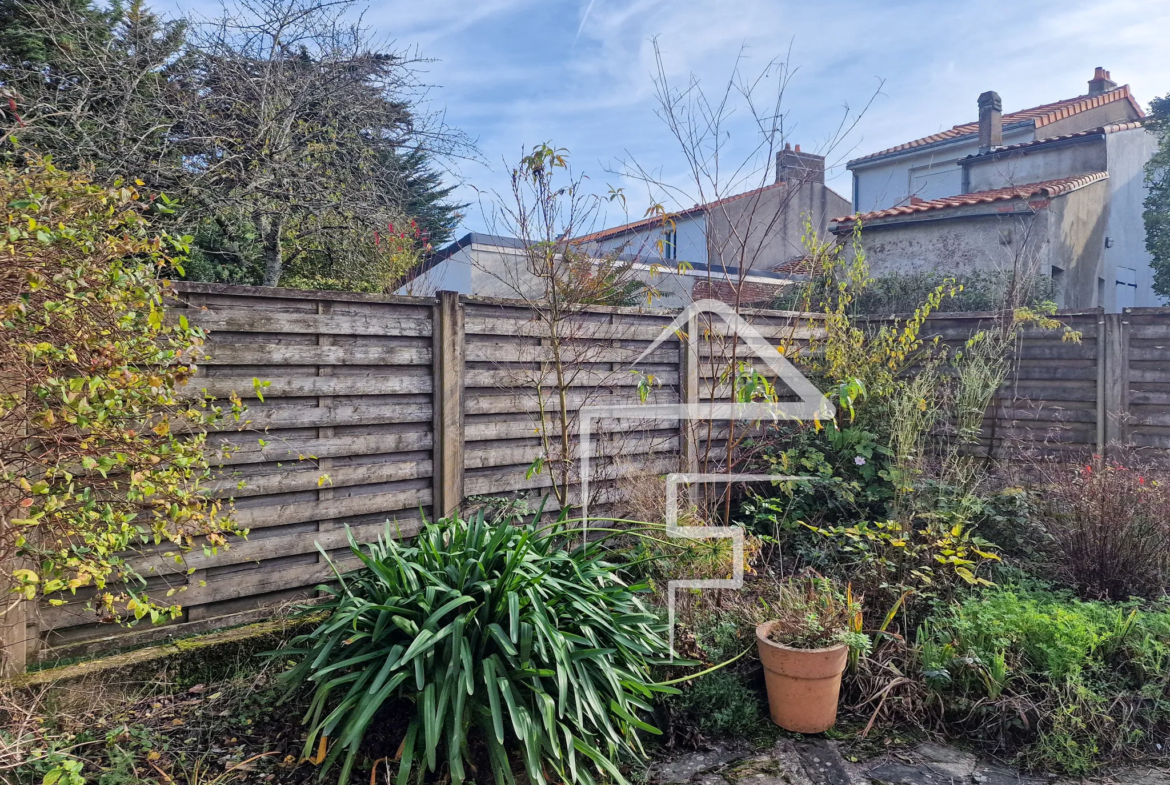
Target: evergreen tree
24, 38
1157, 204
426, 198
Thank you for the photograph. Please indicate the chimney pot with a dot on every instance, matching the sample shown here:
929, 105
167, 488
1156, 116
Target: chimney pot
1101, 82
990, 121
798, 148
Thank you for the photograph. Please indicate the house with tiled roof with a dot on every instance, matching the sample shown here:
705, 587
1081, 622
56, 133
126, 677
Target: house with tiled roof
928, 168
490, 265
1056, 191
733, 248
743, 248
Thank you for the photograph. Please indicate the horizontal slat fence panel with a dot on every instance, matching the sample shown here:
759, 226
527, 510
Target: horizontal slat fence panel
344, 435
365, 409
1051, 401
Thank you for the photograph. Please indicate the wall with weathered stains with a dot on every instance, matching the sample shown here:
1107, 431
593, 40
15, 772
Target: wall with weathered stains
1128, 153
1078, 223
761, 231
1037, 165
964, 242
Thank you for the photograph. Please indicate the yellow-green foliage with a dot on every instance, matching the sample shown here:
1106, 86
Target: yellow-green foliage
98, 451
851, 348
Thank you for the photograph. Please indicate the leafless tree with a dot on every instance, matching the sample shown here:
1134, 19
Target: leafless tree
729, 140
102, 98
580, 360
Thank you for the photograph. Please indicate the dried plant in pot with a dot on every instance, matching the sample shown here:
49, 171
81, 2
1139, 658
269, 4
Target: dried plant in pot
805, 649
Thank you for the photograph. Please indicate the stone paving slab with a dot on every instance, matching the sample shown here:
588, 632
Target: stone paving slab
692, 765
818, 761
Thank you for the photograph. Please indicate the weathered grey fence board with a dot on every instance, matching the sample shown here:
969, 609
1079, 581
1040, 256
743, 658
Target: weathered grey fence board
312, 386
280, 417
495, 352
316, 324
310, 449
271, 354
314, 478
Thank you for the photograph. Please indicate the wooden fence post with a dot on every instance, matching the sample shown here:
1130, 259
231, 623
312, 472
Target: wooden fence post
14, 631
1115, 410
688, 393
1102, 370
448, 404
15, 616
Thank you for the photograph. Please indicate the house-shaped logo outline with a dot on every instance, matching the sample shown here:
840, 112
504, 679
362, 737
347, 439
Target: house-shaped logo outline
813, 405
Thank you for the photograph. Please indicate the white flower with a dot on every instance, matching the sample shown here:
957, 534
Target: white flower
859, 461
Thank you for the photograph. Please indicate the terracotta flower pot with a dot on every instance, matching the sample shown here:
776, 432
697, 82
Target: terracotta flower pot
803, 684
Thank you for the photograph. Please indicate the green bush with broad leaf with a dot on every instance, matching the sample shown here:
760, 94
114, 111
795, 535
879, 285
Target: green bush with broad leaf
499, 639
102, 453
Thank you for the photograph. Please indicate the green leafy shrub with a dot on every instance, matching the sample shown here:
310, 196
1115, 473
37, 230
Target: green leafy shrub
90, 374
721, 704
1075, 680
929, 557
843, 471
1003, 517
725, 703
488, 635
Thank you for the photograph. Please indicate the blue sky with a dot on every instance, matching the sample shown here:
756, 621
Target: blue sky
513, 73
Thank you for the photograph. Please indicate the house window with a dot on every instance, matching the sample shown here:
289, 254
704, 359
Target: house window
1058, 285
936, 181
669, 244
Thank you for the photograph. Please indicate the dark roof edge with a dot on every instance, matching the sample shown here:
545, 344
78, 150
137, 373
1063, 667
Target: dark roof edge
866, 161
1090, 134
449, 250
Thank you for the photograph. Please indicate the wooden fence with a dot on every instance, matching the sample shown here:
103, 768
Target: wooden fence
381, 408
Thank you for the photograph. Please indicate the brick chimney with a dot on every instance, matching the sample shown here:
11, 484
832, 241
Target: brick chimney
990, 121
1101, 83
793, 166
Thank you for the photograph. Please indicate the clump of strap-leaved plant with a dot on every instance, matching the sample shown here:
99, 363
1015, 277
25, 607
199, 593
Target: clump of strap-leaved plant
502, 640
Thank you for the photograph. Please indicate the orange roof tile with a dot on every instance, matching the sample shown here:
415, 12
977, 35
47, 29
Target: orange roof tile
802, 265
1048, 188
657, 220
1040, 116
